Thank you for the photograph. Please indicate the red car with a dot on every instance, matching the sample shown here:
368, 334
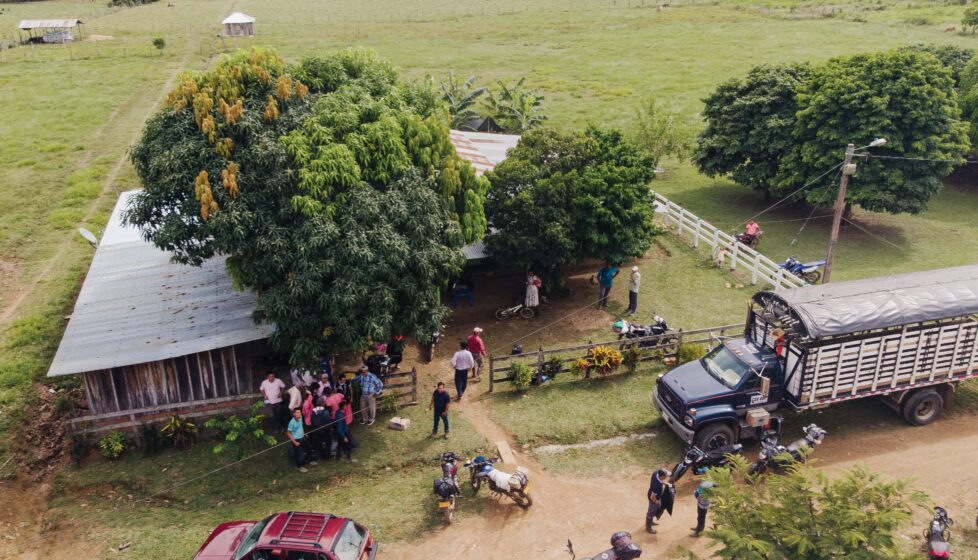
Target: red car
290, 536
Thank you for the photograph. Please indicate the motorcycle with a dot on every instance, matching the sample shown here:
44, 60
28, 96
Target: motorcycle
751, 241
429, 347
810, 272
622, 548
515, 486
629, 331
938, 534
774, 455
518, 309
378, 363
447, 488
700, 461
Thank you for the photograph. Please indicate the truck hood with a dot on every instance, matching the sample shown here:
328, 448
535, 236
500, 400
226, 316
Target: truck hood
693, 384
224, 540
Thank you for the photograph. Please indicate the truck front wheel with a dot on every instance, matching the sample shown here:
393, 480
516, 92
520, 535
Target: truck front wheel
715, 436
923, 407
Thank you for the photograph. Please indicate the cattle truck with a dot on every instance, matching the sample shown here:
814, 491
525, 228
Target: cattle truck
908, 339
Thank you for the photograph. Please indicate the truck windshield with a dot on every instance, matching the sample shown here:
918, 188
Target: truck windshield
251, 539
725, 367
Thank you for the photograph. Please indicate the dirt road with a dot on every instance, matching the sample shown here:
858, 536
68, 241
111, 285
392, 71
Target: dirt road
942, 457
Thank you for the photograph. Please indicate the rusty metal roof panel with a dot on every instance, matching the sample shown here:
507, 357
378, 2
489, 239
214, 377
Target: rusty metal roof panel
49, 23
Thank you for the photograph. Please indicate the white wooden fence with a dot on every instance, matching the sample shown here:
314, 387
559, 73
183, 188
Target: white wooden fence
724, 248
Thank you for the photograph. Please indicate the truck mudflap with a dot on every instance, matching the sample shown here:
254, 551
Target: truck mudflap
675, 424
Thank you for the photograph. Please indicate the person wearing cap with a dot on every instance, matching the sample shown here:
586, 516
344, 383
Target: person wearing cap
478, 349
370, 389
702, 505
658, 488
462, 362
634, 282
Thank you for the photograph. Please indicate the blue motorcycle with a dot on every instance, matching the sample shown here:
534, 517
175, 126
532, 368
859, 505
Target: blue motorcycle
810, 272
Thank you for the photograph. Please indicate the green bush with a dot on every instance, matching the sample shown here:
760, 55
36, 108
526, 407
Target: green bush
689, 352
551, 367
112, 445
179, 432
631, 357
388, 403
239, 433
522, 376
151, 439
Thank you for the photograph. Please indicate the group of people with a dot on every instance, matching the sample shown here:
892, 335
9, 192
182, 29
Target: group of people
662, 495
606, 278
316, 412
466, 362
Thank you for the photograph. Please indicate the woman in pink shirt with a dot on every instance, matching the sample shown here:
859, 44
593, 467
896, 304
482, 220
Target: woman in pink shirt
307, 406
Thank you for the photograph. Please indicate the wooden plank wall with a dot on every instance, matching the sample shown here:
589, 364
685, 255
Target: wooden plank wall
878, 362
224, 372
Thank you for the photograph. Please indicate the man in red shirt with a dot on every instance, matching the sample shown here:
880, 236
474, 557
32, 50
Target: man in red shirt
478, 349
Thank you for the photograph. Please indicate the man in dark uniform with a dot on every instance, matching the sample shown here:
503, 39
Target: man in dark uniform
658, 495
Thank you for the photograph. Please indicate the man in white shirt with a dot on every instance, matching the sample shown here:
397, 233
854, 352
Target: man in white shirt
295, 397
271, 391
462, 361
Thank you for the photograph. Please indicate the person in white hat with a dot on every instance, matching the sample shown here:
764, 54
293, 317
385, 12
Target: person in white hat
478, 349
633, 284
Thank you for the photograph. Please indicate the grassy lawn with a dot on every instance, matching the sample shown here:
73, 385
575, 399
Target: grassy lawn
389, 490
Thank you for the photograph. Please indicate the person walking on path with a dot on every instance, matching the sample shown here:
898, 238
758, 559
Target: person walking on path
271, 391
702, 505
439, 401
478, 350
606, 277
462, 362
658, 487
633, 284
370, 389
297, 436
344, 438
533, 284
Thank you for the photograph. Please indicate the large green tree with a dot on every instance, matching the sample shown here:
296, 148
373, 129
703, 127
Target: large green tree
908, 98
804, 515
953, 57
749, 125
330, 186
561, 198
968, 91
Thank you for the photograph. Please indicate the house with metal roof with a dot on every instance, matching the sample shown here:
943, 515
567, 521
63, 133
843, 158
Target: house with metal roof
49, 30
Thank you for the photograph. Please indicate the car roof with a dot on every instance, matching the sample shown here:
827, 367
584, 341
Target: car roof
303, 531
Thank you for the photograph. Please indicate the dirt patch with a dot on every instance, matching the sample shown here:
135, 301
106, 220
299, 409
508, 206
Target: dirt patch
96, 38
41, 443
9, 278
610, 442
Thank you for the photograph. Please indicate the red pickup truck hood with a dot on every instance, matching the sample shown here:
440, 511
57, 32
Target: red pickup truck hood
224, 540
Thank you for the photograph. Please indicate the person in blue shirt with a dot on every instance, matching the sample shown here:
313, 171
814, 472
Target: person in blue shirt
344, 439
370, 389
439, 402
606, 277
297, 438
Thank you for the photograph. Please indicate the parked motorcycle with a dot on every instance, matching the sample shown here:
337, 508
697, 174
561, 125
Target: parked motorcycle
515, 486
777, 456
810, 272
700, 461
628, 331
433, 340
447, 488
751, 241
938, 534
517, 310
378, 363
622, 548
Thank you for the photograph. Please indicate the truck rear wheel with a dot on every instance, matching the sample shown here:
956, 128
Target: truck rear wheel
923, 407
715, 436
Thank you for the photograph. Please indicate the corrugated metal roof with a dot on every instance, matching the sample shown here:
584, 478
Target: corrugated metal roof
482, 149
238, 17
877, 303
137, 306
49, 23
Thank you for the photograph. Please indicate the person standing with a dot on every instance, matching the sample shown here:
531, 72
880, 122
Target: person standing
606, 277
295, 397
370, 389
297, 437
656, 495
440, 400
344, 388
533, 284
478, 350
344, 438
702, 505
271, 391
462, 362
633, 284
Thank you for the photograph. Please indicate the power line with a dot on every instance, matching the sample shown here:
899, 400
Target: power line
957, 161
793, 193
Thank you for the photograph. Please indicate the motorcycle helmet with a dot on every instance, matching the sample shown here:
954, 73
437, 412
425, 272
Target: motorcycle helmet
620, 326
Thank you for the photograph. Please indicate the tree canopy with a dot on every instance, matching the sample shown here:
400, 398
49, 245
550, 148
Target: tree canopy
906, 97
330, 186
952, 57
749, 125
561, 198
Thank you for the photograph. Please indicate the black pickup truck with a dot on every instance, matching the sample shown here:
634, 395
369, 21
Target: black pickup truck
909, 338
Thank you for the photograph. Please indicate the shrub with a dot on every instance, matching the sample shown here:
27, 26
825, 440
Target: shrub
151, 439
388, 403
159, 43
522, 376
631, 357
112, 445
580, 366
179, 432
238, 433
551, 368
604, 359
690, 351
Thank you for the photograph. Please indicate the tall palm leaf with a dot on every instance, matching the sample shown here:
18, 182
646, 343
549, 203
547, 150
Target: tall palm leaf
460, 97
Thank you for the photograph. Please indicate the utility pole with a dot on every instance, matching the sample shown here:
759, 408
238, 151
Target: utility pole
848, 168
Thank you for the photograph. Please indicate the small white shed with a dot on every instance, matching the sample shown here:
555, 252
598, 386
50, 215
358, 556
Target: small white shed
239, 25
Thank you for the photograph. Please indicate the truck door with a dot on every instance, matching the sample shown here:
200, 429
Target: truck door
758, 391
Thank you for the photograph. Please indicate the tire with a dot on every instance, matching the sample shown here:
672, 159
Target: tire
476, 483
502, 315
429, 353
527, 312
522, 499
923, 407
714, 436
678, 472
757, 467
812, 277
450, 513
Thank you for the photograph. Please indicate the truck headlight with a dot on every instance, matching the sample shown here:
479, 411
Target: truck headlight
688, 420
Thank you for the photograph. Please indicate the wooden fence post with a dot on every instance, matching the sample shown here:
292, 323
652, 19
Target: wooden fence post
757, 263
733, 255
682, 215
696, 234
716, 239
414, 384
587, 374
540, 362
780, 280
492, 369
